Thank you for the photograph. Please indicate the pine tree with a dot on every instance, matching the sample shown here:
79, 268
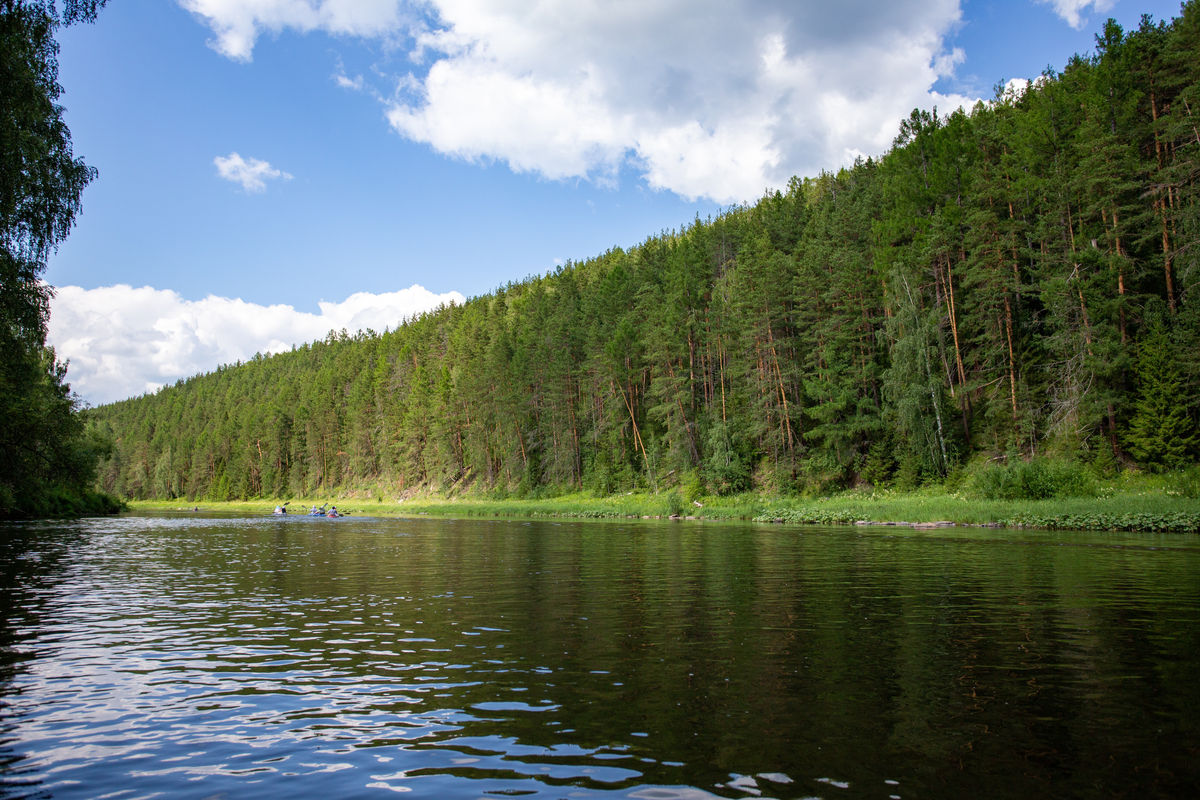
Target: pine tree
1160, 434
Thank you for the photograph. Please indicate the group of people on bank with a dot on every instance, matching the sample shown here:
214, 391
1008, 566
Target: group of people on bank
314, 512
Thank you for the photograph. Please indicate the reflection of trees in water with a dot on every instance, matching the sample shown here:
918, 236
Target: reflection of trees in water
656, 654
35, 560
963, 665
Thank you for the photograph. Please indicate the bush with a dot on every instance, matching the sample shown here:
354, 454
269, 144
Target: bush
1185, 483
692, 485
1036, 479
58, 501
1105, 462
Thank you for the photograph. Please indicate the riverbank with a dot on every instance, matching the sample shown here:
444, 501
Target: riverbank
1137, 507
57, 503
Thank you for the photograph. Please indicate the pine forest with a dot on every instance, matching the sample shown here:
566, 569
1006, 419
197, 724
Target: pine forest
1016, 281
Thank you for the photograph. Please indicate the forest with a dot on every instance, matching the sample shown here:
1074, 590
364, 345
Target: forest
1017, 281
48, 455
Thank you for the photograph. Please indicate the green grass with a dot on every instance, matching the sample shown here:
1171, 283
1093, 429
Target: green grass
1130, 503
578, 505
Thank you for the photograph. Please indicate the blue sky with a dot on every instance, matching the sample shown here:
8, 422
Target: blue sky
271, 169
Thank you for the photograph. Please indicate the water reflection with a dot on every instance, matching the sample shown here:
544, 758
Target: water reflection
194, 656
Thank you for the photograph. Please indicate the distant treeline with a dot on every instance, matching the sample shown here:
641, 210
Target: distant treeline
1014, 281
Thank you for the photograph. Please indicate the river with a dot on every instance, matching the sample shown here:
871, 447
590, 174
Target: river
198, 656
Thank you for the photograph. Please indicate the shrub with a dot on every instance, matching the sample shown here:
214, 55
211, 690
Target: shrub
1036, 479
1185, 483
692, 485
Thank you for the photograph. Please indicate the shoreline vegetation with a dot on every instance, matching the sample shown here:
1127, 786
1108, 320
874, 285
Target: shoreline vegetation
1141, 503
61, 502
48, 454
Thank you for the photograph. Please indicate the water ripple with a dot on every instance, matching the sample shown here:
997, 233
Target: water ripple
198, 656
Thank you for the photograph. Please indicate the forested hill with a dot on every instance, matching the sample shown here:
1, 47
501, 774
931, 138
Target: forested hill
1017, 280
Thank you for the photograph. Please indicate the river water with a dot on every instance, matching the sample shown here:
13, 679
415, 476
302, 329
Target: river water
181, 656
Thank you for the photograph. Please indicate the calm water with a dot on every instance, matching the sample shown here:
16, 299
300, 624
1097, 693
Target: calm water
207, 657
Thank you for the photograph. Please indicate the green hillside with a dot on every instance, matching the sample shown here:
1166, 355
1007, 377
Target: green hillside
1014, 282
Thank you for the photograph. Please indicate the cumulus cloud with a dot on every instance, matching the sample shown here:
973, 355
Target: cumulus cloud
123, 341
252, 173
705, 98
1072, 11
717, 100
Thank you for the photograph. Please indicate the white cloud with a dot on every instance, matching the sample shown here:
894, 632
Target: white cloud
238, 23
122, 341
346, 82
705, 98
1072, 11
252, 174
1015, 87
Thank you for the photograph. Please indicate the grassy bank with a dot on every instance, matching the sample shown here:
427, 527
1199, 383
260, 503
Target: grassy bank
1134, 504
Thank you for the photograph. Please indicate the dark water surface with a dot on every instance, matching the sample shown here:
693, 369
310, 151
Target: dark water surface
203, 656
